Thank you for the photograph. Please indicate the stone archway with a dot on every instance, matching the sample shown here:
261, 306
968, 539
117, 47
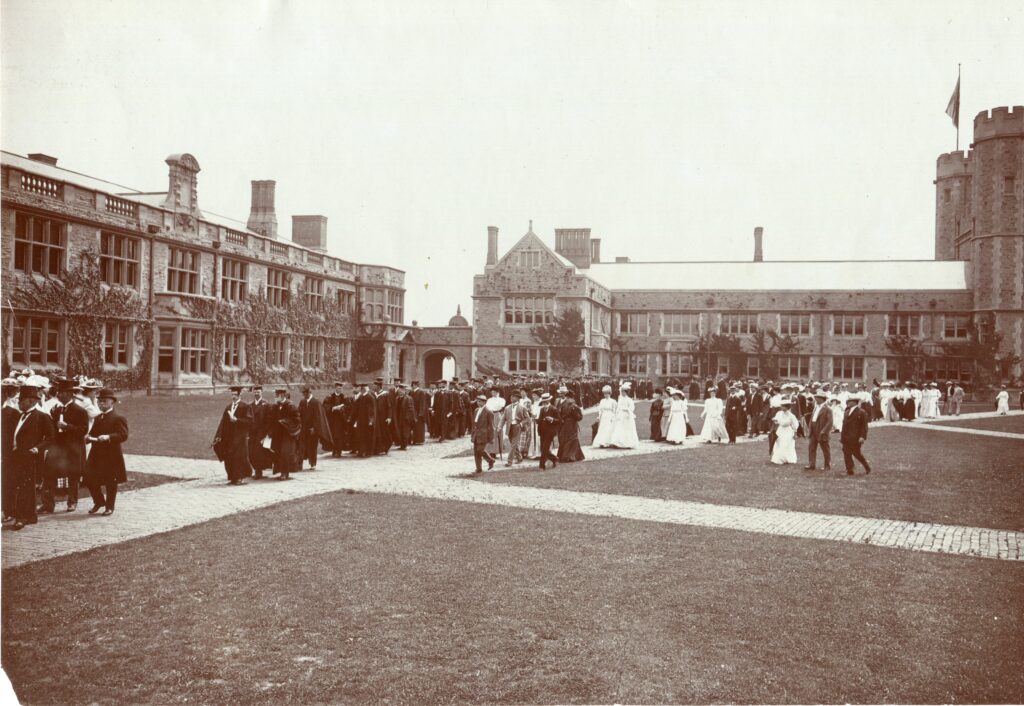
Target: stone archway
434, 365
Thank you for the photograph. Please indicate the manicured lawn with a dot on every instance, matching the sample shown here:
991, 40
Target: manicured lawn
181, 426
362, 598
1014, 424
918, 474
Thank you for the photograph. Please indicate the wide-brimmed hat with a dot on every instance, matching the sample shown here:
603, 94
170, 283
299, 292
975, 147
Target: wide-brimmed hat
482, 397
107, 394
65, 385
29, 392
607, 388
545, 397
820, 393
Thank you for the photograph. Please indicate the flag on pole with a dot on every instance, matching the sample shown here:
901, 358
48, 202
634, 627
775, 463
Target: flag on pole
953, 109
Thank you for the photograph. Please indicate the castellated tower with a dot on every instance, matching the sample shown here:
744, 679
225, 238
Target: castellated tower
952, 204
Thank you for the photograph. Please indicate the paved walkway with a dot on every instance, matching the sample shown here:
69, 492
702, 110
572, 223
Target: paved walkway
203, 495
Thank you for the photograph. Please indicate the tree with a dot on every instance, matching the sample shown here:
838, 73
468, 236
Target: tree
710, 346
564, 337
910, 353
768, 346
982, 348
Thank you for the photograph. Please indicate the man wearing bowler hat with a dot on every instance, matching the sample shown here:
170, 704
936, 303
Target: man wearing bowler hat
105, 467
482, 433
33, 434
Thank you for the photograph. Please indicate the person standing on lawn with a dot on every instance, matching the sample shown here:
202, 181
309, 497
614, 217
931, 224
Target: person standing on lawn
624, 434
231, 440
655, 415
678, 417
1003, 401
65, 457
549, 421
606, 418
569, 449
820, 428
786, 427
735, 414
405, 417
521, 427
286, 428
9, 416
105, 468
853, 435
364, 427
482, 433
315, 429
33, 433
714, 425
421, 406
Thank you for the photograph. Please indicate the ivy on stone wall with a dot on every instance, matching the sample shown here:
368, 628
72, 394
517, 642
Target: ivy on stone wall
85, 303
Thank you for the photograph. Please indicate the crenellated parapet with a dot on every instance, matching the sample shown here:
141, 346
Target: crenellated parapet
999, 122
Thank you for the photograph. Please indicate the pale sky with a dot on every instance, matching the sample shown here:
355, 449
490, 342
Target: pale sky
669, 128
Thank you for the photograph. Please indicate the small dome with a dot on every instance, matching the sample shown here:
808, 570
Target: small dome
458, 319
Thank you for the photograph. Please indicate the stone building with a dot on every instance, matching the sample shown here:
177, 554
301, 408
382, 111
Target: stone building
149, 291
852, 321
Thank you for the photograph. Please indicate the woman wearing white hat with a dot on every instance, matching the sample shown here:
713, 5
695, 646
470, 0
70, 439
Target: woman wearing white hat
714, 423
677, 417
785, 431
605, 418
624, 434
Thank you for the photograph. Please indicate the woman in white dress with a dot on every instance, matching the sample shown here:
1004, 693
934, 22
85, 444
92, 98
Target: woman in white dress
714, 423
785, 431
837, 414
605, 419
1003, 401
677, 417
624, 434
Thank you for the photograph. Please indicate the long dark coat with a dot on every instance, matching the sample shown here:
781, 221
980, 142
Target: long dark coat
338, 420
569, 432
260, 458
284, 437
421, 406
35, 433
231, 442
106, 461
65, 457
364, 425
384, 417
405, 417
315, 429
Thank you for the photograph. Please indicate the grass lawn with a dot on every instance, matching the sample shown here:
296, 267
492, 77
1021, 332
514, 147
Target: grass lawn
918, 475
1014, 424
365, 598
195, 419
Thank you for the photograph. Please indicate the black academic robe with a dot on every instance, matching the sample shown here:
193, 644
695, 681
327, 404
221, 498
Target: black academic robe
421, 407
231, 441
260, 458
36, 434
364, 425
315, 429
9, 417
569, 449
405, 416
336, 408
284, 438
384, 417
65, 457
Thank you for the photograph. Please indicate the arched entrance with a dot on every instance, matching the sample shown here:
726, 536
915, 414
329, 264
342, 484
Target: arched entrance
438, 364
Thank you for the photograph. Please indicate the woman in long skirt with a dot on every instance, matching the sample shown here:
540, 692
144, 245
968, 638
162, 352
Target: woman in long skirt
677, 418
624, 434
569, 433
785, 431
714, 423
605, 418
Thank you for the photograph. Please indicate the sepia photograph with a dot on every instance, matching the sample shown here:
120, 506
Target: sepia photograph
511, 352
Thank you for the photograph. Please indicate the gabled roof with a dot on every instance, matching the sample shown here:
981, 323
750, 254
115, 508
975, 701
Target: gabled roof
531, 241
874, 275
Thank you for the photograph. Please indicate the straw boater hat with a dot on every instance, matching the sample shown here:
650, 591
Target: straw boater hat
545, 397
607, 388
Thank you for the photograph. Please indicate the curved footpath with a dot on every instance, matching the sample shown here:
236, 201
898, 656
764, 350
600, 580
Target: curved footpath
423, 471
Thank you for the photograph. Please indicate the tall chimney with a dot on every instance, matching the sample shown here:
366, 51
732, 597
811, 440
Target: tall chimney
492, 245
310, 231
758, 250
262, 216
595, 250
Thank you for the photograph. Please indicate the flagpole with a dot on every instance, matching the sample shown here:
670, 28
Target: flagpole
959, 94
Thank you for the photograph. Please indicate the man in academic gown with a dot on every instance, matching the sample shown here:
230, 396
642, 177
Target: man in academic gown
405, 416
384, 415
65, 457
33, 434
9, 416
364, 426
286, 426
231, 440
421, 407
336, 406
259, 457
105, 467
569, 449
315, 429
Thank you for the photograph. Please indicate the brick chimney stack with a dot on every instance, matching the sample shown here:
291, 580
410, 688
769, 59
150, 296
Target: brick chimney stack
595, 250
310, 231
492, 245
758, 242
262, 216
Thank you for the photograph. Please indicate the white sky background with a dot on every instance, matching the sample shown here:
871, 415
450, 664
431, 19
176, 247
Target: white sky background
669, 128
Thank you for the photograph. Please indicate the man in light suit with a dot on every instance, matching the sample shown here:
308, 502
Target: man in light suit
482, 433
820, 428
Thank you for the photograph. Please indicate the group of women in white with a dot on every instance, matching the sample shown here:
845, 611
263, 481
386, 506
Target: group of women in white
616, 419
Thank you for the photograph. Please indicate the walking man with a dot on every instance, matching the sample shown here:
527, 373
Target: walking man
33, 434
65, 457
549, 421
231, 441
483, 434
853, 435
105, 466
820, 428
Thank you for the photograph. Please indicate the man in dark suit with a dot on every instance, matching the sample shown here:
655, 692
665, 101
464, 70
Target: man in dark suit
549, 422
855, 432
819, 430
259, 458
482, 433
735, 414
421, 407
315, 428
405, 416
231, 440
337, 411
363, 422
65, 458
105, 466
33, 434
384, 415
9, 416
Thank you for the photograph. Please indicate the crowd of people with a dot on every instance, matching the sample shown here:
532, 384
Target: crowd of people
67, 431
